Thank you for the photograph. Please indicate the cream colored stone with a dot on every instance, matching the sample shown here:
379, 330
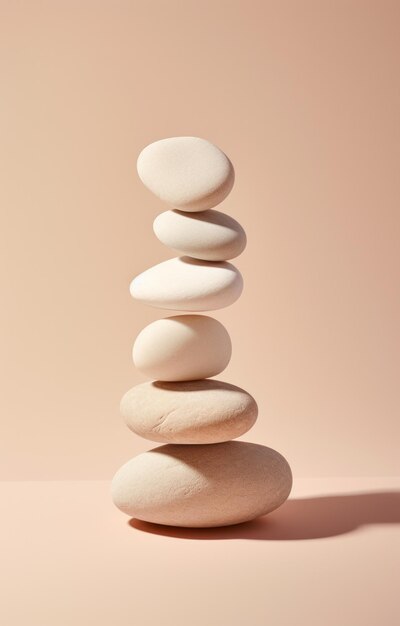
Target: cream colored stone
190, 173
182, 347
204, 485
208, 235
187, 284
199, 411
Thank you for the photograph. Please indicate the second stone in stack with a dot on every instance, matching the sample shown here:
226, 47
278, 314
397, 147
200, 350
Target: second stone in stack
201, 477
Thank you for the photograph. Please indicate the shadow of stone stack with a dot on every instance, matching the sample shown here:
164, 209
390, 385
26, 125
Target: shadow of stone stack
200, 478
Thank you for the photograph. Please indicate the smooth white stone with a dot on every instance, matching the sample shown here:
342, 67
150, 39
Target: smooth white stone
190, 173
208, 235
204, 485
199, 411
182, 347
187, 284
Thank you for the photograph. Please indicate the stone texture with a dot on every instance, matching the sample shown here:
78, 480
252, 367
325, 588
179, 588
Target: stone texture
189, 173
208, 235
187, 284
204, 485
182, 347
195, 412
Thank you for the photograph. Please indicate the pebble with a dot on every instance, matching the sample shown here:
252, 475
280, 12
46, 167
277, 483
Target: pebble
187, 284
208, 235
195, 412
182, 347
189, 173
204, 485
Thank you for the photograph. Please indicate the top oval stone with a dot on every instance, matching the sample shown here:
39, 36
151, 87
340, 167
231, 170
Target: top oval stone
189, 173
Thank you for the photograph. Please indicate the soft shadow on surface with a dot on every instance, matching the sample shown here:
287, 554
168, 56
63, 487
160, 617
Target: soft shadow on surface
297, 519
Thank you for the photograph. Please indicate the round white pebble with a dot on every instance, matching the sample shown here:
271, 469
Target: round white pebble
187, 284
182, 347
198, 411
208, 235
189, 173
204, 485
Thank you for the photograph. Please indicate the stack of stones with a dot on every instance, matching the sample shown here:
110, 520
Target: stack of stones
200, 477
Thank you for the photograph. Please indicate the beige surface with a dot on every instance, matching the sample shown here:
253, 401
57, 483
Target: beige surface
70, 558
303, 95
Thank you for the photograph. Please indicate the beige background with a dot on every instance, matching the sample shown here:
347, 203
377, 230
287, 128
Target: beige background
304, 98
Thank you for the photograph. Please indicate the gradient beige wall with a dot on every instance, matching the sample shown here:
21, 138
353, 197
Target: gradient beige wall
304, 97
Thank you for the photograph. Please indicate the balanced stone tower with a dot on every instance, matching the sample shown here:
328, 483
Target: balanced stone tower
200, 477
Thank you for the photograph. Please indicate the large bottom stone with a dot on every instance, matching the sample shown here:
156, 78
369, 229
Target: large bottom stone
202, 485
